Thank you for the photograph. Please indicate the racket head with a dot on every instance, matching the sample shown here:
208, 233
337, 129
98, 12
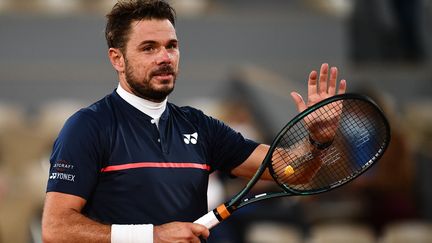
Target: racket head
361, 137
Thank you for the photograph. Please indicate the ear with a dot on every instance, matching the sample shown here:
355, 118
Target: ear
117, 59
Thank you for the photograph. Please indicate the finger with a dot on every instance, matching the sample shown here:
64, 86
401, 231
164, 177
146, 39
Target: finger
298, 99
342, 87
332, 81
312, 83
200, 231
323, 78
195, 240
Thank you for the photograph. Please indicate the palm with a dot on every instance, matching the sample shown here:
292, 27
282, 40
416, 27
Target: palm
315, 98
322, 125
323, 122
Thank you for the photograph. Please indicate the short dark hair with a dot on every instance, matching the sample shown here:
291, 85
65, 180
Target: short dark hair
125, 12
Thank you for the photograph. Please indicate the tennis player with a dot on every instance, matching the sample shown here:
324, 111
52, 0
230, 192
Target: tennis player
133, 167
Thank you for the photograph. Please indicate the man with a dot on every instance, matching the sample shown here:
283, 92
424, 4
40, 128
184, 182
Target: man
133, 167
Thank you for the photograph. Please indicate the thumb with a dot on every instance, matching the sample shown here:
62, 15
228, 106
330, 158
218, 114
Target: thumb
200, 230
298, 99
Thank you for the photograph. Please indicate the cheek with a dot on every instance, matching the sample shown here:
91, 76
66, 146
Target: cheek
175, 61
142, 69
177, 58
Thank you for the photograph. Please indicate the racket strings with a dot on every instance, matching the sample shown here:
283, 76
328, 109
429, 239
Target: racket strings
357, 133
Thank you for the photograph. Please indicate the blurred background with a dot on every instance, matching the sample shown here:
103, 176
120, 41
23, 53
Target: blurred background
240, 60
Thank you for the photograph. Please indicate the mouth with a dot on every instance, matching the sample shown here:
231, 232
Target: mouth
164, 76
164, 72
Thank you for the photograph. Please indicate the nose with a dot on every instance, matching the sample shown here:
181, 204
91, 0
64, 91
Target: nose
164, 56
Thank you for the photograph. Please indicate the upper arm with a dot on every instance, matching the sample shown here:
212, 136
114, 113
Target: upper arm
224, 147
252, 163
76, 157
57, 205
58, 200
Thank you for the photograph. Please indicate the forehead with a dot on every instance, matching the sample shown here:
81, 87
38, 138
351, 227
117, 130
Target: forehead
154, 30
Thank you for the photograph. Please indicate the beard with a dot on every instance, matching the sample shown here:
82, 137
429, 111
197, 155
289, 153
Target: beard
145, 89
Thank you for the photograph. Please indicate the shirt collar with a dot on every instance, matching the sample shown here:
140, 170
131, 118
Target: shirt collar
150, 108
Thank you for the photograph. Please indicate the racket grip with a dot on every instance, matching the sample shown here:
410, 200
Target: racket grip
209, 220
214, 217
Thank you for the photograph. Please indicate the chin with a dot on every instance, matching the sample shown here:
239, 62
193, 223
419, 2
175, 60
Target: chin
166, 85
164, 89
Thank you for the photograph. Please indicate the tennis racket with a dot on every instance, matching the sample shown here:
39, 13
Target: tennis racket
322, 148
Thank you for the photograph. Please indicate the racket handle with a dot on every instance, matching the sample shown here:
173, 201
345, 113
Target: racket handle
209, 220
214, 217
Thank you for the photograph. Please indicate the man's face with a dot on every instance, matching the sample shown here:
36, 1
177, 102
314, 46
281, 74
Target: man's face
151, 59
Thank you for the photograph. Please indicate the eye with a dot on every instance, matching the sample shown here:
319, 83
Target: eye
148, 48
172, 46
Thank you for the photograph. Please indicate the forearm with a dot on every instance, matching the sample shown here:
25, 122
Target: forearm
304, 162
72, 226
62, 221
304, 157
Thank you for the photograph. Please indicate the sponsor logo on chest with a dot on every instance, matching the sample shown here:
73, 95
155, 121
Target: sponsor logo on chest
190, 138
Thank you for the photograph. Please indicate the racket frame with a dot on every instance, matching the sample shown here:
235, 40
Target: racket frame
301, 116
222, 212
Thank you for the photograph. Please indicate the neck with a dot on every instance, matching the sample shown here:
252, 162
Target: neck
150, 108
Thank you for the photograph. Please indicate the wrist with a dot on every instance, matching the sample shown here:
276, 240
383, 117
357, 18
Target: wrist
132, 233
320, 145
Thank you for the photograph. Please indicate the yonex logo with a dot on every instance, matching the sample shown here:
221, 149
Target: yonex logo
62, 176
190, 138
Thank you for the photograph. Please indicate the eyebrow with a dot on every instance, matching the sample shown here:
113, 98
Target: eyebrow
143, 43
146, 42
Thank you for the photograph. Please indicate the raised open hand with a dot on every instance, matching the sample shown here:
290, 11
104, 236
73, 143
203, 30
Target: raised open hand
320, 89
322, 126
